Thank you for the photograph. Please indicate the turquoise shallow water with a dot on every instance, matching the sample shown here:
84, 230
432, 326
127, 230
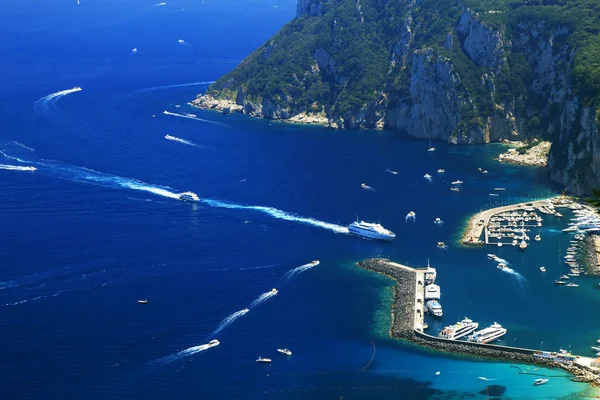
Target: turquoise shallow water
96, 227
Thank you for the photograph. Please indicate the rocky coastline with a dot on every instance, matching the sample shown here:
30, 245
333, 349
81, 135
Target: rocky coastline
535, 156
403, 327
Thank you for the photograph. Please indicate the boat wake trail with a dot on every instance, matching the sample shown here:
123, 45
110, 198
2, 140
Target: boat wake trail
60, 170
262, 298
195, 118
177, 86
298, 270
16, 168
367, 187
183, 353
279, 214
229, 320
520, 278
23, 146
51, 99
176, 139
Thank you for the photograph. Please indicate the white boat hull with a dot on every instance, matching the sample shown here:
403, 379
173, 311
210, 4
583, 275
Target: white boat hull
371, 235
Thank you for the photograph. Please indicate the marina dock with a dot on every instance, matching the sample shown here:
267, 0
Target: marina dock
408, 323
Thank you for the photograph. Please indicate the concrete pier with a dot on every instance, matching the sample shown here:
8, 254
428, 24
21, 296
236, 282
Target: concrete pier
408, 324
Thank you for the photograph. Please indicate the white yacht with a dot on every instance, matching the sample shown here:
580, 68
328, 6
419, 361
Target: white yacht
457, 182
434, 307
523, 244
263, 360
438, 221
539, 382
455, 189
427, 176
370, 230
189, 196
285, 352
430, 274
537, 238
432, 292
492, 257
543, 269
459, 329
493, 332
214, 343
440, 171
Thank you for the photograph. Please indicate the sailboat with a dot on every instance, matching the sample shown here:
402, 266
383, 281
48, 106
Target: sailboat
430, 148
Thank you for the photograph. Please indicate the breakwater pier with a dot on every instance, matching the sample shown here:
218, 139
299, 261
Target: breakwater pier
408, 323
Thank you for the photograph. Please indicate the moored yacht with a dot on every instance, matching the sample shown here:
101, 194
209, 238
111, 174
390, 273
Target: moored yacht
434, 307
432, 292
489, 334
370, 230
430, 274
459, 329
537, 238
189, 196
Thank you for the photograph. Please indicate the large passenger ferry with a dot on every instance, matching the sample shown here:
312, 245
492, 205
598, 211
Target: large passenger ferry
493, 332
370, 230
459, 329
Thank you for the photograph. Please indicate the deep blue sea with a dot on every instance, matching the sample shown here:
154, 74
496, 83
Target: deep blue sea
96, 227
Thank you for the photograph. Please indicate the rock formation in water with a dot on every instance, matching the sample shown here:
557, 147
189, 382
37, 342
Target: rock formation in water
462, 71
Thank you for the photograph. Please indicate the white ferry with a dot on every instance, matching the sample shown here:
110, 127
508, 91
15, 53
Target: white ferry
214, 343
459, 329
493, 332
432, 292
370, 230
434, 307
189, 196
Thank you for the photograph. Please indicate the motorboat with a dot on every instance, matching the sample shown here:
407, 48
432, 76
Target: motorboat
494, 194
539, 382
441, 245
411, 214
523, 244
457, 182
427, 176
502, 266
455, 189
564, 277
492, 257
543, 269
438, 221
285, 352
431, 149
362, 185
458, 330
370, 230
214, 343
499, 244
595, 348
315, 263
571, 284
392, 172
434, 308
484, 171
263, 360
273, 291
430, 274
189, 196
144, 301
440, 171
489, 334
559, 282
537, 238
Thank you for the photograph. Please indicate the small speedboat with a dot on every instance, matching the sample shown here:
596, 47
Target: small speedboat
214, 343
484, 171
438, 221
595, 348
543, 269
274, 291
431, 149
494, 194
537, 238
440, 171
144, 301
285, 352
499, 189
189, 196
427, 176
492, 257
457, 182
539, 382
455, 189
559, 282
263, 360
564, 277
571, 284
441, 245
411, 214
362, 185
315, 263
502, 266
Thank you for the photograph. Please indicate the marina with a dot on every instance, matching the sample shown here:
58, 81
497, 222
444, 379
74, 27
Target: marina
408, 323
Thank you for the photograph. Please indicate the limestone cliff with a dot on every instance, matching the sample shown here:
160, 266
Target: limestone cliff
448, 70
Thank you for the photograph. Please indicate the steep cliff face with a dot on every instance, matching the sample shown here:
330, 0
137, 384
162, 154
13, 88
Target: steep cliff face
430, 68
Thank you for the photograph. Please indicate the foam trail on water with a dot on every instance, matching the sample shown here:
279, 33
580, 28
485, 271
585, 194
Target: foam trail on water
176, 139
194, 117
367, 187
160, 4
262, 298
298, 270
177, 85
279, 214
229, 320
53, 97
85, 175
16, 168
184, 353
23, 146
502, 260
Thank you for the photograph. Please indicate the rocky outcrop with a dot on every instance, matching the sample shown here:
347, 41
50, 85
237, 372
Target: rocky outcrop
535, 156
312, 8
484, 45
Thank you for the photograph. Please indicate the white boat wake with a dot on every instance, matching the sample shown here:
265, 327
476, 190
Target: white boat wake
195, 118
262, 298
229, 320
183, 353
23, 146
298, 270
367, 187
56, 169
176, 139
160, 4
279, 214
17, 168
51, 99
177, 85
411, 218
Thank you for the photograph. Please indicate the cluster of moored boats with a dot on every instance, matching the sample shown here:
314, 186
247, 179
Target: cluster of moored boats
514, 225
468, 328
573, 264
585, 221
432, 293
